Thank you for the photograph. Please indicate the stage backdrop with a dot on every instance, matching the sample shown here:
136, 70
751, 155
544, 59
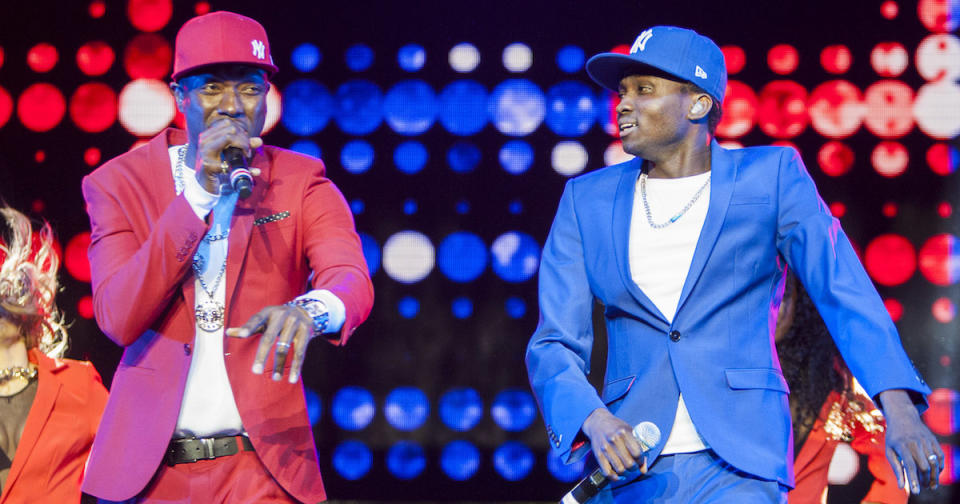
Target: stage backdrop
451, 128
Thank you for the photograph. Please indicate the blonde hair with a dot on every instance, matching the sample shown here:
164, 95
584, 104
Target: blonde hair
28, 283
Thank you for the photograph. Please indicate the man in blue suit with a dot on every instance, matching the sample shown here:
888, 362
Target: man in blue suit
686, 247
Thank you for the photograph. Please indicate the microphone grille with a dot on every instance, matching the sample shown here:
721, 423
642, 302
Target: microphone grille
647, 433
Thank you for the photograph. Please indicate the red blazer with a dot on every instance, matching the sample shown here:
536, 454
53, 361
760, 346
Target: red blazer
813, 462
142, 243
48, 465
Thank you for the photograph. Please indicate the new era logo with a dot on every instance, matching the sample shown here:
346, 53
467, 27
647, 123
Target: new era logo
641, 43
700, 72
259, 49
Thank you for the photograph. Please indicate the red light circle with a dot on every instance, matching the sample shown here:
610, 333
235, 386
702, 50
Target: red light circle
97, 9
41, 107
95, 58
890, 259
85, 307
889, 59
936, 15
783, 59
149, 15
941, 415
40, 156
91, 156
148, 56
739, 110
889, 209
943, 310
889, 9
835, 158
38, 206
894, 308
1, 56
836, 59
940, 259
6, 106
201, 8
93, 107
42, 57
783, 109
734, 57
944, 209
838, 209
889, 109
836, 109
75, 257
890, 159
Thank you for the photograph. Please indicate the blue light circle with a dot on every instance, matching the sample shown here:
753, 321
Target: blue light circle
515, 207
305, 57
463, 157
566, 473
462, 207
516, 256
513, 460
606, 116
570, 58
463, 107
359, 57
357, 156
314, 405
408, 307
410, 107
353, 408
410, 157
352, 459
406, 460
517, 107
461, 408
307, 147
307, 107
462, 256
411, 57
460, 460
409, 206
516, 307
513, 409
371, 252
406, 408
570, 108
359, 107
357, 206
516, 156
461, 307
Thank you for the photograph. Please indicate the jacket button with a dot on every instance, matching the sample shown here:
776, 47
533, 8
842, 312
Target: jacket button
187, 349
674, 335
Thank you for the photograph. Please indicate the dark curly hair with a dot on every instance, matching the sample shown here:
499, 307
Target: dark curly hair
810, 361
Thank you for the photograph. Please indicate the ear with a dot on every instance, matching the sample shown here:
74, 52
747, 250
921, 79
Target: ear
701, 107
178, 94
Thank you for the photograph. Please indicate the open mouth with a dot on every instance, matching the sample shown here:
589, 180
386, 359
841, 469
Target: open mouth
627, 128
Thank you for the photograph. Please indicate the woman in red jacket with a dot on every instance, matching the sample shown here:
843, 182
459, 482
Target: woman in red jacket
826, 405
49, 407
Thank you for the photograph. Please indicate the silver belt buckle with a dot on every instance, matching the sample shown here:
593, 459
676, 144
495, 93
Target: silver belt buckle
207, 448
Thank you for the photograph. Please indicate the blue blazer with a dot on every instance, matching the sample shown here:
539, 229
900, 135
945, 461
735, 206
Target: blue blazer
764, 214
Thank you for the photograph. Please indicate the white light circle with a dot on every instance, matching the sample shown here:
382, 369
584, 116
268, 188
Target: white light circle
464, 57
408, 256
615, 154
938, 57
731, 144
568, 158
935, 109
274, 109
146, 106
517, 57
844, 465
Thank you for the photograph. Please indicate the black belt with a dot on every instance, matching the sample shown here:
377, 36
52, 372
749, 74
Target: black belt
189, 450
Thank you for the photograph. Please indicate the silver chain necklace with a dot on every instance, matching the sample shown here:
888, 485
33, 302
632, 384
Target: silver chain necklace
210, 313
676, 217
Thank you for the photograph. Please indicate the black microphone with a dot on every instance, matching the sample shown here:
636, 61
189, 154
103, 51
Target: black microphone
646, 433
240, 177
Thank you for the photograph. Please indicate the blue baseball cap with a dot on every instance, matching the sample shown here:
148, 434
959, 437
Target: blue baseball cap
679, 52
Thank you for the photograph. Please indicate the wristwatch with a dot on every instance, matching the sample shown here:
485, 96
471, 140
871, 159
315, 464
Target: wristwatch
317, 311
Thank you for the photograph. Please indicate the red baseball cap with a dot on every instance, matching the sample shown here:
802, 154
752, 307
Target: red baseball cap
221, 37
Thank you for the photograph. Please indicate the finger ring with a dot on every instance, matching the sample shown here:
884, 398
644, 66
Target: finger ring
933, 458
284, 345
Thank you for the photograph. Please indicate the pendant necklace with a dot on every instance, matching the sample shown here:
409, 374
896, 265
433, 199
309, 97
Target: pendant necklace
646, 206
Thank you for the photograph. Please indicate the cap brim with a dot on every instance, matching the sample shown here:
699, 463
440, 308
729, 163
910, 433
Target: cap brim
267, 67
606, 69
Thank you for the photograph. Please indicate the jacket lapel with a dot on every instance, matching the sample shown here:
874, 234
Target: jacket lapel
622, 213
241, 226
723, 175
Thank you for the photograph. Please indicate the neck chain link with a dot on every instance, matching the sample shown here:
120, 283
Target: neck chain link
25, 373
676, 217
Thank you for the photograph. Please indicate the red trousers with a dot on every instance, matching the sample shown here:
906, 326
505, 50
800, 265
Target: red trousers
235, 479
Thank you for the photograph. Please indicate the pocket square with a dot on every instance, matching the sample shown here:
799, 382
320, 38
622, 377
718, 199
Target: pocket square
271, 218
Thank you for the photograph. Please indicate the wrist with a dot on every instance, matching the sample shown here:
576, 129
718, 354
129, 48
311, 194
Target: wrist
316, 310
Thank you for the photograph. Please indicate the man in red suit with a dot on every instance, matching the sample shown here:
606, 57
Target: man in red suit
179, 253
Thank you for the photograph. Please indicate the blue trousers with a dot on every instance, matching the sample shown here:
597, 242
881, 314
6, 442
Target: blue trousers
700, 478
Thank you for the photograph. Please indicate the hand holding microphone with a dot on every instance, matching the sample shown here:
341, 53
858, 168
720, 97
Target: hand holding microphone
223, 149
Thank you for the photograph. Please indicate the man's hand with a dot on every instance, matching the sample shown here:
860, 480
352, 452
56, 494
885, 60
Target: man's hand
284, 326
613, 443
220, 135
912, 449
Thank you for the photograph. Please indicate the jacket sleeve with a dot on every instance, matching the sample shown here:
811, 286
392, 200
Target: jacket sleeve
558, 354
133, 281
818, 251
334, 251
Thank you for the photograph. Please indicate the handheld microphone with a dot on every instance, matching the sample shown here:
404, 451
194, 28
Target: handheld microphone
646, 433
240, 177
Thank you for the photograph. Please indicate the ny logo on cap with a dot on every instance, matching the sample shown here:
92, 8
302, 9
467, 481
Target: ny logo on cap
641, 43
700, 72
259, 49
